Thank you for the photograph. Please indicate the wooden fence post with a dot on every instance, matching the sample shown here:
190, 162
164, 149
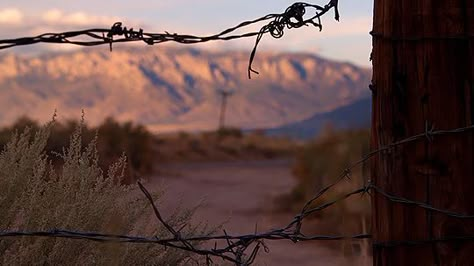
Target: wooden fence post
423, 77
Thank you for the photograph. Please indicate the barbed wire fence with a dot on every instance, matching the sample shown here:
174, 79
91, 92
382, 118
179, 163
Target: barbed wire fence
295, 16
243, 249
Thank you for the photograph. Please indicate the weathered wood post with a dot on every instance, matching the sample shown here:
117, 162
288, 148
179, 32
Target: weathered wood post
423, 76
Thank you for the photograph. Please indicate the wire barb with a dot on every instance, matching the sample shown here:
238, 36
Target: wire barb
237, 247
293, 17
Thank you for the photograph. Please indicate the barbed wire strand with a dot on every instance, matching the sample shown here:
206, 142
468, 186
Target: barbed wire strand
293, 17
236, 246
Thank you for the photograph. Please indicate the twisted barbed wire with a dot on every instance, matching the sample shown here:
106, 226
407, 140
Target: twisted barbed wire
236, 247
293, 17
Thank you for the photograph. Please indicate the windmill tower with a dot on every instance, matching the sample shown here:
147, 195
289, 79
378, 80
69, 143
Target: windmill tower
224, 95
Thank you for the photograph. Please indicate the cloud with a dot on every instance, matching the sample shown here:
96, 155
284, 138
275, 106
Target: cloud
307, 39
10, 16
15, 23
59, 18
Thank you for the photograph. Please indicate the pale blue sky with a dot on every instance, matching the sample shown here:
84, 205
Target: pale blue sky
347, 40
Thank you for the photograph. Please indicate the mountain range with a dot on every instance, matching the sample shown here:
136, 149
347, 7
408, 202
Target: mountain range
354, 115
171, 89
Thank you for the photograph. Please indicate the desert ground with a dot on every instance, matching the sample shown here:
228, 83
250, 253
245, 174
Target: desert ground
242, 196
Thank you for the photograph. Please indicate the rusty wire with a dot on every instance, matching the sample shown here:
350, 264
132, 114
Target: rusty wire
237, 247
293, 17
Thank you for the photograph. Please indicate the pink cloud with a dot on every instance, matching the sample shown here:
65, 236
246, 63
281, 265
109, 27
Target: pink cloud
10, 16
59, 18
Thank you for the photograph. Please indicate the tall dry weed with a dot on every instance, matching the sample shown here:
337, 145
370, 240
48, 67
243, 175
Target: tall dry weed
79, 196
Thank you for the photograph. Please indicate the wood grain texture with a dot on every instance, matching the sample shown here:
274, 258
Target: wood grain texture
423, 75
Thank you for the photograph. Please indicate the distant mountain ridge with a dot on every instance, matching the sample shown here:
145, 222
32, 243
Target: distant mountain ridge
354, 115
170, 89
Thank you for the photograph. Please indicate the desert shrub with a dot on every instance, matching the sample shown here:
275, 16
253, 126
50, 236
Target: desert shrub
133, 140
319, 163
116, 139
79, 196
227, 149
229, 132
209, 146
183, 135
269, 146
195, 146
19, 125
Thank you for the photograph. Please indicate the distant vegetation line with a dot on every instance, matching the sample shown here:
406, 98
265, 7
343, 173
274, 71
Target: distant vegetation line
115, 140
145, 152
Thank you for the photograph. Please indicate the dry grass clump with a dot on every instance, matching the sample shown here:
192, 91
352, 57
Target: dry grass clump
318, 164
78, 196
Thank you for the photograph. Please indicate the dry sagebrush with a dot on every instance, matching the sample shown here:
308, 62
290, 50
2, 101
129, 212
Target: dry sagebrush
35, 196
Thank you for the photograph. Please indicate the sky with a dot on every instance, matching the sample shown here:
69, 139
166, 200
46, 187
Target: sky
347, 40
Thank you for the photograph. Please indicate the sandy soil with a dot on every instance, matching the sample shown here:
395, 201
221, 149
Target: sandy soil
243, 193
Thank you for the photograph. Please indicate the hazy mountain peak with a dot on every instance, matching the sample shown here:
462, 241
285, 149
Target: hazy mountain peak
168, 88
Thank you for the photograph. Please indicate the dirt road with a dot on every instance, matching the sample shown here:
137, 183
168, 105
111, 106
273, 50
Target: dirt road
243, 193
